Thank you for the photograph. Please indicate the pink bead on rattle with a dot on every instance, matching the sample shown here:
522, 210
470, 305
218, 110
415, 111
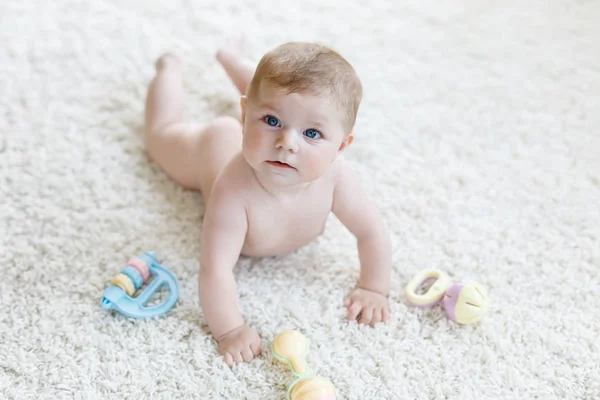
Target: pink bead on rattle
464, 302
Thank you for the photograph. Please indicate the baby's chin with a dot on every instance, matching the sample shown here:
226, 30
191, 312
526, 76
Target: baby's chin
284, 177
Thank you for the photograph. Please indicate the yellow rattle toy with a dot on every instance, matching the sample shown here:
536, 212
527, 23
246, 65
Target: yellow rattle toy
290, 347
464, 302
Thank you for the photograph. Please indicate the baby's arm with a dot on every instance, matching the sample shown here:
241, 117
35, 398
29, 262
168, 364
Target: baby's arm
223, 234
358, 213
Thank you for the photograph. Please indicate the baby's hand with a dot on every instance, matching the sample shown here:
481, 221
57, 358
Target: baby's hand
239, 345
369, 307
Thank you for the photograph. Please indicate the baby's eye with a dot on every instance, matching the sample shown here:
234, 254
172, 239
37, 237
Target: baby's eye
272, 121
312, 133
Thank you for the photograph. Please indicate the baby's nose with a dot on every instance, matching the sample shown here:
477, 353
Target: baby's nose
287, 140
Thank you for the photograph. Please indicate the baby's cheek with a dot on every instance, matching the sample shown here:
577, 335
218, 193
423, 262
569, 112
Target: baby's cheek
250, 144
318, 163
253, 144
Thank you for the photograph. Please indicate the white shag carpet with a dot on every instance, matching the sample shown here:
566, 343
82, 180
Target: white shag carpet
479, 138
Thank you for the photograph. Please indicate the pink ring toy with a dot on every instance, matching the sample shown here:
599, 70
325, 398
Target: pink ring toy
141, 267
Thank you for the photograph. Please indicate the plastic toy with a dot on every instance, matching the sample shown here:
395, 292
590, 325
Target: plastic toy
290, 347
464, 302
119, 296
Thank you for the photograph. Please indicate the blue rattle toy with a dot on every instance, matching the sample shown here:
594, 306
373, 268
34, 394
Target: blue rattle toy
119, 296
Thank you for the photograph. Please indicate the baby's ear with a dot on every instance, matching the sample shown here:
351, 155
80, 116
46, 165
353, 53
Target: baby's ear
346, 142
243, 105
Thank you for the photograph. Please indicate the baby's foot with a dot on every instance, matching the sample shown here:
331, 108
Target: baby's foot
232, 50
167, 60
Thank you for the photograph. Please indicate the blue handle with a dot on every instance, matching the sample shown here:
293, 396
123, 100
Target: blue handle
116, 299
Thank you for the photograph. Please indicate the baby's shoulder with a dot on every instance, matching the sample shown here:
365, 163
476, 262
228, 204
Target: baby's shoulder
345, 176
234, 177
339, 168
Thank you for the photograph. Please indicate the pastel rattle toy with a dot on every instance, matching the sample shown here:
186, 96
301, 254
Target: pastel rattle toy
464, 302
119, 296
290, 347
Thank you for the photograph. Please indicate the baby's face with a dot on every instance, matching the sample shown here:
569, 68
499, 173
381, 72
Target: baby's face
291, 138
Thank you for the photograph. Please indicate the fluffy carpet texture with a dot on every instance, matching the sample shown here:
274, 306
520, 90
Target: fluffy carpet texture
478, 137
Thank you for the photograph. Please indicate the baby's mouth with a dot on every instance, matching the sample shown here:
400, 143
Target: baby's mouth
280, 164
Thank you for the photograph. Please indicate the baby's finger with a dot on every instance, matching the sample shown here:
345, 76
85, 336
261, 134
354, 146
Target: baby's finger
367, 315
376, 316
348, 301
385, 313
256, 350
228, 358
353, 311
237, 357
247, 354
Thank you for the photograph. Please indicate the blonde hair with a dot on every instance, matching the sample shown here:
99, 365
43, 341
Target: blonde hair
314, 68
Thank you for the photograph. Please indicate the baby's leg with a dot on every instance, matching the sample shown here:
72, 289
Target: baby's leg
239, 70
189, 153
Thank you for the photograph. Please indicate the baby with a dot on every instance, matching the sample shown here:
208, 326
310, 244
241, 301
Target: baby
271, 180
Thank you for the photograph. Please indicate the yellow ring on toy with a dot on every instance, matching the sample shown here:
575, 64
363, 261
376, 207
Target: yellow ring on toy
435, 292
124, 283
